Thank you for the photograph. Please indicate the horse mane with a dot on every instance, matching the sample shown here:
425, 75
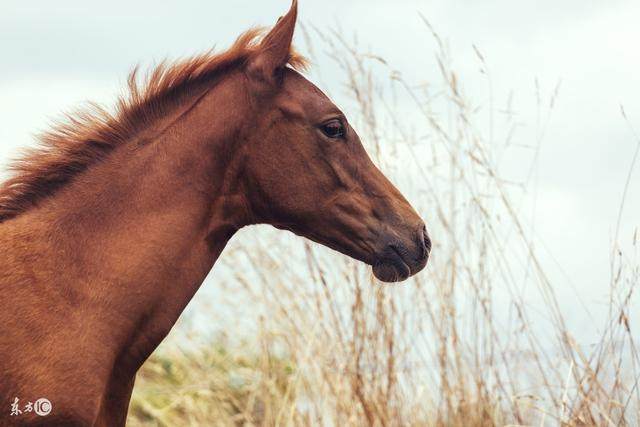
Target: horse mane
87, 136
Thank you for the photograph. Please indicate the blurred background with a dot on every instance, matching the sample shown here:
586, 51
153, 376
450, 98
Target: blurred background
512, 129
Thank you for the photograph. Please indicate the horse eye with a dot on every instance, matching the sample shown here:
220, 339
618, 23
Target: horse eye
333, 129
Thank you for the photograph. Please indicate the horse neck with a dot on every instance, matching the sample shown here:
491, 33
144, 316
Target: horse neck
139, 232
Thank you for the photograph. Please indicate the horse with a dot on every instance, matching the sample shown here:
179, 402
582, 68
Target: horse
110, 226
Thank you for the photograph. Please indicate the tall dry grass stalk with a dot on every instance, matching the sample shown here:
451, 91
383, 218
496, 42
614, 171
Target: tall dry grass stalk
479, 339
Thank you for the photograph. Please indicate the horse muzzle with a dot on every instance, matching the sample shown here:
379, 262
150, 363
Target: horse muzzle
398, 260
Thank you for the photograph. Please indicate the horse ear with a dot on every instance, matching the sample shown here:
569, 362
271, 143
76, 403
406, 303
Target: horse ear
274, 51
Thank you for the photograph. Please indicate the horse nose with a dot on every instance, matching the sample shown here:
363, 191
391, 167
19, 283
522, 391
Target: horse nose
424, 243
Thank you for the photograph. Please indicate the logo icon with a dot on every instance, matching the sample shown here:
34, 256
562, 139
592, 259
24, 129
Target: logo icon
42, 407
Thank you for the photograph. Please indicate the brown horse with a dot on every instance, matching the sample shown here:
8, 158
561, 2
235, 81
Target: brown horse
108, 230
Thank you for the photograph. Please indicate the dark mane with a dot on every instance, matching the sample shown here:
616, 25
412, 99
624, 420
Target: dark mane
87, 136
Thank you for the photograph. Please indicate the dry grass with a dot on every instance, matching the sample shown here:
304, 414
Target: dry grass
479, 339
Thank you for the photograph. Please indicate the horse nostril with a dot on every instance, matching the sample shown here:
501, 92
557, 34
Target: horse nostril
425, 242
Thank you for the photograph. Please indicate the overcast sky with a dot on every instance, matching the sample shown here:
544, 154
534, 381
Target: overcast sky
57, 54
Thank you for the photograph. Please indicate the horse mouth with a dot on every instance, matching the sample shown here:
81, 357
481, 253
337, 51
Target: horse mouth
391, 268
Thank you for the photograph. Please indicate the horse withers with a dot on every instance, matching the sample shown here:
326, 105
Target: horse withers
107, 231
